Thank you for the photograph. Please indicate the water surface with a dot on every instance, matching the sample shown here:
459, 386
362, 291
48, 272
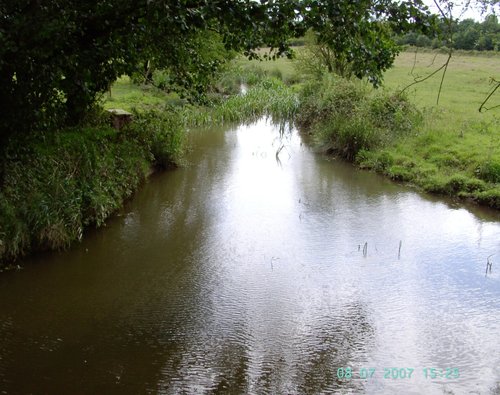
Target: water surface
241, 273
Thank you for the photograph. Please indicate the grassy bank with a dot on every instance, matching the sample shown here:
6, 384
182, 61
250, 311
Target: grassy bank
456, 150
55, 184
349, 119
128, 96
449, 149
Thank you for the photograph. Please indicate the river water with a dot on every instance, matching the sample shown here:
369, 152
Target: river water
244, 273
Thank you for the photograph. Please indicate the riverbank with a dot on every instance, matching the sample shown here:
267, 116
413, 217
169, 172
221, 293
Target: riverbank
387, 133
56, 184
452, 150
456, 149
235, 258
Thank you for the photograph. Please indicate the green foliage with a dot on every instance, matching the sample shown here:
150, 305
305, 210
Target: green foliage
127, 95
58, 57
269, 97
283, 68
453, 185
315, 60
490, 197
454, 139
466, 34
347, 118
57, 183
356, 38
489, 171
162, 135
200, 59
161, 79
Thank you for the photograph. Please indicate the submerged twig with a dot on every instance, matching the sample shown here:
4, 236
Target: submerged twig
274, 258
399, 251
488, 264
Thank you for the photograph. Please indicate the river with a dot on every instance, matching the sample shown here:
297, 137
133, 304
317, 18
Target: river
247, 273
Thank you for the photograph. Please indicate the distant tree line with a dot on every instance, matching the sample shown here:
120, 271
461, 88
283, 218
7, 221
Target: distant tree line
466, 34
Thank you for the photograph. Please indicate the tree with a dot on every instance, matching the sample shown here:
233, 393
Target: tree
357, 38
199, 59
57, 57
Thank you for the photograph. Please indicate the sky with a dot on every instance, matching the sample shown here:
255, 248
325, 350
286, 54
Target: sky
473, 10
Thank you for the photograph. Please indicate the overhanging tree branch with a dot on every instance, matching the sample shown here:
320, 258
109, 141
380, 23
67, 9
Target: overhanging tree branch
482, 106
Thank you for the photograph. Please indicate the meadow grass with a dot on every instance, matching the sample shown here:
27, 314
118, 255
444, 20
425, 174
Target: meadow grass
466, 84
128, 96
456, 151
282, 68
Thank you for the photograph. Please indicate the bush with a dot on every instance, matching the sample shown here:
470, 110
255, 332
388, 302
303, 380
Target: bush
348, 118
161, 79
161, 134
423, 41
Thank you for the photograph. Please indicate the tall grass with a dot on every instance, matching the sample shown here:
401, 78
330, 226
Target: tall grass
269, 97
56, 184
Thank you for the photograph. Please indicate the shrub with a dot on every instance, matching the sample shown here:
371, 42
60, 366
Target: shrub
161, 79
161, 133
347, 118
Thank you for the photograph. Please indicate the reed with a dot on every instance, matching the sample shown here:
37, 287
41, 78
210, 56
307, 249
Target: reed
269, 97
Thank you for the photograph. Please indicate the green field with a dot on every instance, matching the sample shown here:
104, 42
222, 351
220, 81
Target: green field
466, 84
457, 147
126, 95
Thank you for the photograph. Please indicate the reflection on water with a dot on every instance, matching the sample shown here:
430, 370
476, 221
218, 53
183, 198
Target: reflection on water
241, 274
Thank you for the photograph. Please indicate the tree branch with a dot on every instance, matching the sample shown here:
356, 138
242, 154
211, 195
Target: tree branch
482, 106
